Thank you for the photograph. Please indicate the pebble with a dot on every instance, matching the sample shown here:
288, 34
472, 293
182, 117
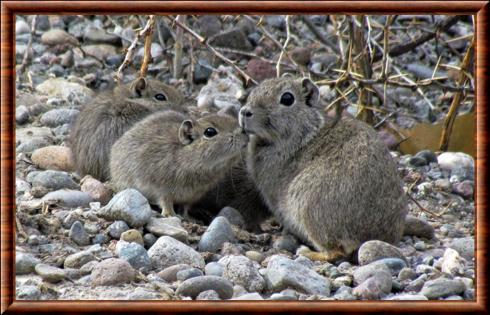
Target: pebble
143, 294
117, 228
53, 180
128, 205
233, 38
58, 36
260, 70
218, 232
100, 239
458, 163
464, 246
134, 254
112, 271
24, 263
168, 251
185, 274
79, 259
407, 297
443, 184
209, 25
21, 114
88, 267
98, 191
132, 236
28, 292
100, 51
406, 274
69, 198
30, 145
149, 239
21, 27
301, 55
56, 158
255, 256
169, 274
464, 189
78, 234
192, 287
342, 281
441, 287
375, 250
232, 215
375, 287
50, 273
417, 284
242, 271
344, 293
286, 242
167, 227
362, 273
68, 91
58, 116
249, 297
453, 263
214, 269
96, 35
284, 273
208, 295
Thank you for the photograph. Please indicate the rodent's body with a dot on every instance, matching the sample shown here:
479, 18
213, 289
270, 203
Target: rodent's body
331, 183
109, 116
168, 158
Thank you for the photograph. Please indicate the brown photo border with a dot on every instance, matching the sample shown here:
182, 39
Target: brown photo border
10, 8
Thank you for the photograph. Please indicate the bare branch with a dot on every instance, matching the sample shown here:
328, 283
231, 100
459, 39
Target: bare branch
284, 47
147, 55
178, 47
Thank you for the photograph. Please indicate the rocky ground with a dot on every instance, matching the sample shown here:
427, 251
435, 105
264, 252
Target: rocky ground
77, 239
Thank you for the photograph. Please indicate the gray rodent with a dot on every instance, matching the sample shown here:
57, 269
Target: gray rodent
171, 159
107, 117
330, 182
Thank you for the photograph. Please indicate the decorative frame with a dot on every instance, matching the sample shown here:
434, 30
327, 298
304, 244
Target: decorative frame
8, 10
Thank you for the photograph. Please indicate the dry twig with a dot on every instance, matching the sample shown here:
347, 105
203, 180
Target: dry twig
147, 55
27, 53
284, 47
178, 47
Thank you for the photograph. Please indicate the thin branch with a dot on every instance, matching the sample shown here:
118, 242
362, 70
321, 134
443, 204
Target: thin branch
283, 50
178, 47
25, 59
204, 42
147, 55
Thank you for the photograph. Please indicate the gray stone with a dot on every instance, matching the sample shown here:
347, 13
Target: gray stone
255, 256
21, 114
117, 228
32, 144
232, 215
241, 270
344, 293
28, 292
112, 271
78, 234
286, 242
441, 287
21, 27
169, 274
185, 274
208, 295
143, 294
192, 287
218, 232
25, 263
54, 180
395, 264
59, 116
100, 239
417, 284
407, 297
406, 274
453, 263
374, 250
168, 251
374, 287
71, 92
134, 254
249, 297
79, 259
21, 186
464, 246
214, 269
149, 239
464, 189
167, 226
96, 35
50, 273
457, 163
283, 272
418, 227
362, 273
69, 198
128, 205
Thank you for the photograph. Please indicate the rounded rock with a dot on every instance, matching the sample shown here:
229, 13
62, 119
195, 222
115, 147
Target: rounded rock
112, 271
192, 287
185, 274
78, 234
132, 236
374, 250
168, 251
218, 232
50, 273
117, 228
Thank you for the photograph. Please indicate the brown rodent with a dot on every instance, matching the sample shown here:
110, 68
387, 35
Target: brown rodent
171, 159
109, 115
330, 182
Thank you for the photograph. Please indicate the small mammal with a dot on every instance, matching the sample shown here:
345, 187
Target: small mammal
330, 182
110, 115
172, 159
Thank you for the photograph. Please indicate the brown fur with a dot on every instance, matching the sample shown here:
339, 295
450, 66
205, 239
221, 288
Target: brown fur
169, 160
109, 116
331, 182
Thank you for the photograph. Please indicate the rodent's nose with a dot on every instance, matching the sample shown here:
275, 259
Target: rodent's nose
246, 112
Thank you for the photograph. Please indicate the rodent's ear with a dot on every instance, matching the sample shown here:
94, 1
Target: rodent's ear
138, 86
229, 111
310, 92
185, 132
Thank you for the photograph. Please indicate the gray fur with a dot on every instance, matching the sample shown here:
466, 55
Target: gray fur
331, 182
109, 116
156, 158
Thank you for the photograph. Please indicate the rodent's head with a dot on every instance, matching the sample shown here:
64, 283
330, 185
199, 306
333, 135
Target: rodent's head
216, 138
280, 108
154, 93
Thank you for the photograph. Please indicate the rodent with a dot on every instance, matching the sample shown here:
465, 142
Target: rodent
172, 159
330, 182
107, 117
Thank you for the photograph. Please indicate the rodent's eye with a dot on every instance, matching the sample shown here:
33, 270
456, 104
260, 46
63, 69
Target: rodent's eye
210, 132
287, 99
160, 97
